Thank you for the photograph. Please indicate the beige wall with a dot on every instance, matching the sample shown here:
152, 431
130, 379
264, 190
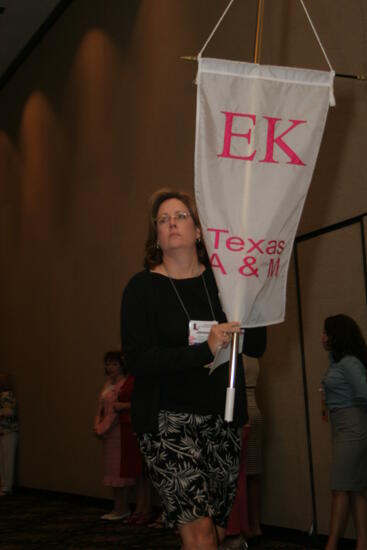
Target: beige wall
101, 114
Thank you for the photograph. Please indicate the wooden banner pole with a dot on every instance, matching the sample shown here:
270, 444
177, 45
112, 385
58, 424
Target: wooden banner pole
259, 30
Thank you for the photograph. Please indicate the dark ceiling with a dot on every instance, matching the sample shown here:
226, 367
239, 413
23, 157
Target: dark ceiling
22, 23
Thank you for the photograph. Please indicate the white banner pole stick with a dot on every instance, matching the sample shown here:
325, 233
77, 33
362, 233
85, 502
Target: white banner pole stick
228, 413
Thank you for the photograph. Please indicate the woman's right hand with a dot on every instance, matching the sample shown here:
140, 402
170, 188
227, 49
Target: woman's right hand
221, 335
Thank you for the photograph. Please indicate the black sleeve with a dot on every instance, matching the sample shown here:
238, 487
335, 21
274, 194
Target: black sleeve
254, 342
143, 355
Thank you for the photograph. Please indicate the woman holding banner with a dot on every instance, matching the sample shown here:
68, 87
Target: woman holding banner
172, 325
345, 386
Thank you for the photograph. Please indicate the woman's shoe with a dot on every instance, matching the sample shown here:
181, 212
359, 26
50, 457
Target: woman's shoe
234, 543
143, 519
131, 520
114, 517
157, 523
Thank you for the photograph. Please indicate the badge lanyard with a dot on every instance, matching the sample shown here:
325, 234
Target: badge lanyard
183, 305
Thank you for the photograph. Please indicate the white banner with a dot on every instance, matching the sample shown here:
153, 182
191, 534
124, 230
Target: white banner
258, 133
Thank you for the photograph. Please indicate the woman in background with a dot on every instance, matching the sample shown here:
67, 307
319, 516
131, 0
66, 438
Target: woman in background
253, 450
345, 386
131, 461
244, 521
118, 472
238, 527
8, 434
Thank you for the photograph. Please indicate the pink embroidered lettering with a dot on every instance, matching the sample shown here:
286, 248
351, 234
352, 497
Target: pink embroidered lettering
228, 134
273, 267
247, 270
216, 263
217, 235
271, 140
235, 244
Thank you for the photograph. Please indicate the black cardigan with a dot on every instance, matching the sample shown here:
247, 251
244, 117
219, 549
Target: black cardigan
170, 374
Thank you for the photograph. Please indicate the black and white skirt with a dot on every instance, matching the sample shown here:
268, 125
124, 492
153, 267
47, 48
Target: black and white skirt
193, 463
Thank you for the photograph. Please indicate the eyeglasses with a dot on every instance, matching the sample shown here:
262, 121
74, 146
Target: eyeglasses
177, 216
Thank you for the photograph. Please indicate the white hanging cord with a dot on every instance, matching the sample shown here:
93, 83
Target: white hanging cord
215, 28
317, 36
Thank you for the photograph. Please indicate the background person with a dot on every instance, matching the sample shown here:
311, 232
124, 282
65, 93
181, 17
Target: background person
253, 455
107, 426
131, 462
177, 408
9, 427
345, 386
237, 527
244, 521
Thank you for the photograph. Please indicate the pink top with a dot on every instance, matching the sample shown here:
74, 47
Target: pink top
106, 415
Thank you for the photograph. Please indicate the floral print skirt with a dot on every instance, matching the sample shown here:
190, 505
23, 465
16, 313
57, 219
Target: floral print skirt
193, 463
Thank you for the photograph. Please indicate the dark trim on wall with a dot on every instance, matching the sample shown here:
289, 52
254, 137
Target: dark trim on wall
34, 41
305, 396
364, 253
330, 228
362, 77
313, 234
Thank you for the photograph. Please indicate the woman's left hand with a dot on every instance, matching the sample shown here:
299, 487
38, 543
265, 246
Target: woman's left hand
221, 335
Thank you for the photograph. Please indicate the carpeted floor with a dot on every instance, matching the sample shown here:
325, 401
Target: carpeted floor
35, 519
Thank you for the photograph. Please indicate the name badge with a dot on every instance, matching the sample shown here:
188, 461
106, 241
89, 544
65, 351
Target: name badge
199, 331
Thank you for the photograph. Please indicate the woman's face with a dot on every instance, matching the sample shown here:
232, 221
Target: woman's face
112, 368
174, 230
